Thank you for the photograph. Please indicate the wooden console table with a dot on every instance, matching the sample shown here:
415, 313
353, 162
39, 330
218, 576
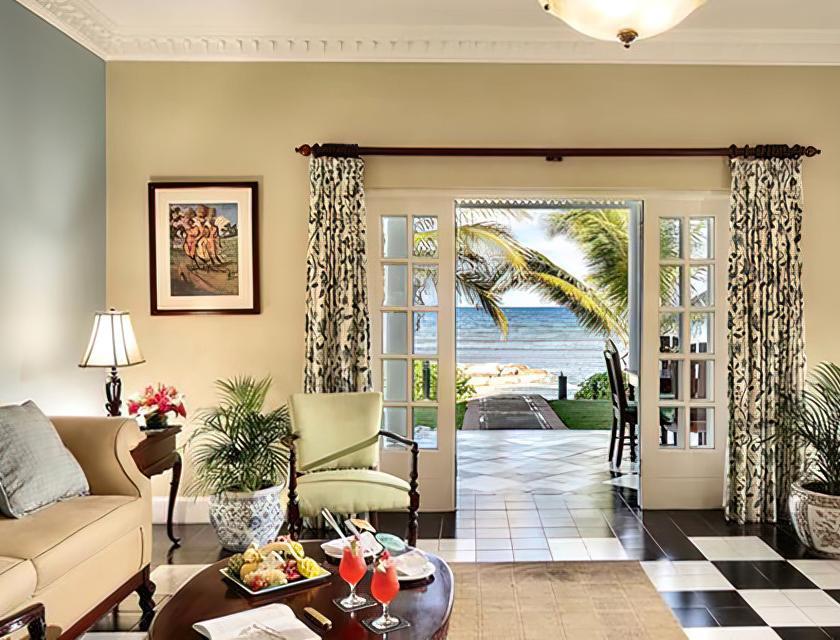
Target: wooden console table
159, 453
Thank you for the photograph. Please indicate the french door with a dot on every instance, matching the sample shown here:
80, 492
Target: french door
411, 267
683, 384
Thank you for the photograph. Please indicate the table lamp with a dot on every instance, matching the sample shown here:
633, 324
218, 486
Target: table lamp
112, 344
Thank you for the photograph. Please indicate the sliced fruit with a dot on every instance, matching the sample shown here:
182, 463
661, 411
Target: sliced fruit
248, 568
308, 568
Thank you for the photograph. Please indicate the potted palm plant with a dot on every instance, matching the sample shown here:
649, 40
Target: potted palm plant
241, 457
815, 497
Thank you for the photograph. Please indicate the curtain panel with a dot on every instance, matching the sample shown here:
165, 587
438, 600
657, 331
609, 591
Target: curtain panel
337, 329
766, 336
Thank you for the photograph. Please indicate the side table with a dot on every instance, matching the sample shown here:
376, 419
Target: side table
159, 453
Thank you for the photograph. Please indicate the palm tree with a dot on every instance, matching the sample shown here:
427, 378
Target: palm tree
490, 262
602, 236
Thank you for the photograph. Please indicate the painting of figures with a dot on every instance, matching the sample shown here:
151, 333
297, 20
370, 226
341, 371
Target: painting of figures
203, 251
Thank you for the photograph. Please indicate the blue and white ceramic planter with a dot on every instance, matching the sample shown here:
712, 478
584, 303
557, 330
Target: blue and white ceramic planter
243, 518
816, 518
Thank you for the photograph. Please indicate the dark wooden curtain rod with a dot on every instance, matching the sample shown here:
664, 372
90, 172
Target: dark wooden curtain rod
332, 150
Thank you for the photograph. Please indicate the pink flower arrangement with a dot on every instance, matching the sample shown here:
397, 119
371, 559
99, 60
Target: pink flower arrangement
157, 401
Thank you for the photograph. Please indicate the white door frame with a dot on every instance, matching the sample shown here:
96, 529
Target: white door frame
688, 475
668, 480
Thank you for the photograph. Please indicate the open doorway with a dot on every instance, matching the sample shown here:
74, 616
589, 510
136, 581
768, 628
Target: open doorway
541, 286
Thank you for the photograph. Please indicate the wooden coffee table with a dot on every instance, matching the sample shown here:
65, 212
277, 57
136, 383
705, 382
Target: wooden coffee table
207, 595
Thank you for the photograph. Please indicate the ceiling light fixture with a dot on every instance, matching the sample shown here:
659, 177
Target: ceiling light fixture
625, 20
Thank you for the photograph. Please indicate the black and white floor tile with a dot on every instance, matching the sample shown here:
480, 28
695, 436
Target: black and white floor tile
555, 499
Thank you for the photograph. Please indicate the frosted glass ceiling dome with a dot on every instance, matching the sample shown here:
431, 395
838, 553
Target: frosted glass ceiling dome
622, 20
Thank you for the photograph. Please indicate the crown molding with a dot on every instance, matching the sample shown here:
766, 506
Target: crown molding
80, 20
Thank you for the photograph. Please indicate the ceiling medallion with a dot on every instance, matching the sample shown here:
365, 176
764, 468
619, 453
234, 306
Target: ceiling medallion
622, 20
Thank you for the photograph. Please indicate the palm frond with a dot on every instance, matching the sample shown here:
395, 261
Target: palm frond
814, 421
238, 446
602, 235
584, 302
494, 241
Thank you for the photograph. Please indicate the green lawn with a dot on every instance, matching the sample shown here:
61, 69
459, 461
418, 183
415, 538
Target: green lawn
584, 414
575, 414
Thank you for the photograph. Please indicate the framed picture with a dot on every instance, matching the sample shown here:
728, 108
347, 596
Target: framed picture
203, 247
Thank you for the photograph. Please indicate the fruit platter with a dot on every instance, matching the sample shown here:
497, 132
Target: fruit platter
276, 566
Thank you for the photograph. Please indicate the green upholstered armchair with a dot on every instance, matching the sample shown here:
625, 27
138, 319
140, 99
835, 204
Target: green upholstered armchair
334, 460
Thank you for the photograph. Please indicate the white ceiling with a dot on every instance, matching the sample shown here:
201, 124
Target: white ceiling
722, 31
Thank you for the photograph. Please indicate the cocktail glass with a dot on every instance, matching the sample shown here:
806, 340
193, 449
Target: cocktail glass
352, 569
384, 587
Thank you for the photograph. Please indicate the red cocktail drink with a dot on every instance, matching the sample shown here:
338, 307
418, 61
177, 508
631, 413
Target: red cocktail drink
384, 586
352, 569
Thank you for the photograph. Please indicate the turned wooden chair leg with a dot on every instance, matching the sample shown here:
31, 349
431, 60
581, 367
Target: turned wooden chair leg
613, 431
413, 497
619, 450
413, 520
293, 518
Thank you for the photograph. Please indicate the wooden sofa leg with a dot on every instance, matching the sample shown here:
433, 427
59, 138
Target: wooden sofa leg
146, 591
33, 618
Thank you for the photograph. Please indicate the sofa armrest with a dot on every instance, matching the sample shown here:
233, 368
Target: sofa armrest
103, 448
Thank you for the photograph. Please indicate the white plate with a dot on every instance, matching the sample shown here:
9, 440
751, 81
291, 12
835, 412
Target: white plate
374, 550
294, 583
427, 571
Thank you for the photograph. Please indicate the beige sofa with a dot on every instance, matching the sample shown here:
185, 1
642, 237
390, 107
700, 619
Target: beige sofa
80, 557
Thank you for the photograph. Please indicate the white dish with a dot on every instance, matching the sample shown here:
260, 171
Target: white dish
335, 548
294, 583
427, 571
414, 565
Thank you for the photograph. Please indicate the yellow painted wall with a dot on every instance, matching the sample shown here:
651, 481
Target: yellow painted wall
231, 120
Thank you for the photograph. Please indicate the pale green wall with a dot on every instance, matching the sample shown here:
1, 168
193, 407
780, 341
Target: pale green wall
52, 212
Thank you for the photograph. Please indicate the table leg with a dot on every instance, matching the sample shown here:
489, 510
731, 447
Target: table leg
173, 493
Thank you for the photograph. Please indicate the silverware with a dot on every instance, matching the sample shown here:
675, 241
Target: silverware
334, 524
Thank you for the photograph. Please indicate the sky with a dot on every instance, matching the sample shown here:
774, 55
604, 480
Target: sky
531, 232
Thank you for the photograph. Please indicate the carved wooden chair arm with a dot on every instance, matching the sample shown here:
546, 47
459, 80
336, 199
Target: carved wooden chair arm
408, 442
32, 617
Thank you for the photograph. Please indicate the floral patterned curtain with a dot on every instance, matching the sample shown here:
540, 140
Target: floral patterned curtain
766, 339
337, 320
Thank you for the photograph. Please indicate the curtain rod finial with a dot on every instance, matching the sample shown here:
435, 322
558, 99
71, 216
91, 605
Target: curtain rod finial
304, 150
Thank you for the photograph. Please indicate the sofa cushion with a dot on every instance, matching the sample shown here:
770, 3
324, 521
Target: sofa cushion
17, 583
36, 469
351, 491
58, 538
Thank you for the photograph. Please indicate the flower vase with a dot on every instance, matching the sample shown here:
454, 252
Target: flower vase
156, 421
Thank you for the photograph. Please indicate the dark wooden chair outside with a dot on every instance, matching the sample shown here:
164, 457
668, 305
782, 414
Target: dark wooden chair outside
625, 415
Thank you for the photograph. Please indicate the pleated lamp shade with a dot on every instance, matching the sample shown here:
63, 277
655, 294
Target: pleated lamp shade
112, 342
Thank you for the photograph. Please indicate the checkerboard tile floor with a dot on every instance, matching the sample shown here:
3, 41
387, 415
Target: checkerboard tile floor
721, 580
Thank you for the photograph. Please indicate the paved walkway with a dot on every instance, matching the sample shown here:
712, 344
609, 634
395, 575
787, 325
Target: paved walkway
512, 463
511, 411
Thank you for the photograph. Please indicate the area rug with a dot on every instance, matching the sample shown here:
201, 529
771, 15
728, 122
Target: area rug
558, 601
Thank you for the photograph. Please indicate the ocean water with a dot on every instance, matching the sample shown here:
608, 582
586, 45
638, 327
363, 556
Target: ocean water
549, 338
